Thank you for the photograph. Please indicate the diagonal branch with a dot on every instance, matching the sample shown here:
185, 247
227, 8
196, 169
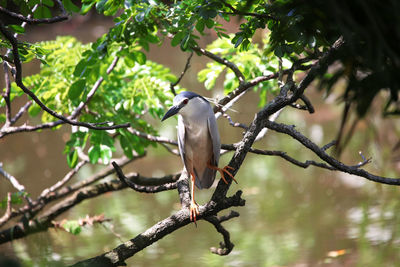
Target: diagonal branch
11, 179
118, 255
187, 66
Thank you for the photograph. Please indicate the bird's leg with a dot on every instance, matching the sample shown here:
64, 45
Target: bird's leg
222, 171
194, 208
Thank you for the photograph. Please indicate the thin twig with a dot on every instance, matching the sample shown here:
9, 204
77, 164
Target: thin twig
30, 20
11, 179
63, 181
241, 13
7, 214
289, 130
187, 66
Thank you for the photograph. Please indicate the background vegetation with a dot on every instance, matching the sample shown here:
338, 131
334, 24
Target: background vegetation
327, 67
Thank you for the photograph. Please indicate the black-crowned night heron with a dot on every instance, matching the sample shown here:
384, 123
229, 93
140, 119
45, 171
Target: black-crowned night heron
198, 141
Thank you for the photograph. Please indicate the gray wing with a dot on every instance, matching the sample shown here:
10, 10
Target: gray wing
209, 174
216, 143
181, 140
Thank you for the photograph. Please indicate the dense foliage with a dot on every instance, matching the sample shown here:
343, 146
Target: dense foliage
370, 59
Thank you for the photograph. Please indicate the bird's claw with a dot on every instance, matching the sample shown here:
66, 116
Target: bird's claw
194, 211
224, 170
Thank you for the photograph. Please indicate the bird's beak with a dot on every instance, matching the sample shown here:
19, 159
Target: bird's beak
171, 112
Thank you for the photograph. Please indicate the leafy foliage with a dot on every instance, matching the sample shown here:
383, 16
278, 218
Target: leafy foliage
136, 86
133, 88
252, 63
16, 198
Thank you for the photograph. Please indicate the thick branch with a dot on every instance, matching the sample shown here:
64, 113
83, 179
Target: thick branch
44, 221
118, 255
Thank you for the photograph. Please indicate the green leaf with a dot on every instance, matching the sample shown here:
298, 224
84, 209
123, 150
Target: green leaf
185, 42
16, 198
238, 41
140, 57
34, 110
94, 154
200, 26
86, 7
71, 7
80, 68
2, 118
17, 28
105, 154
76, 89
72, 227
126, 146
177, 38
48, 3
72, 159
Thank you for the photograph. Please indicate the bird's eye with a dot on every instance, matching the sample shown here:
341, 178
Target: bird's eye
185, 101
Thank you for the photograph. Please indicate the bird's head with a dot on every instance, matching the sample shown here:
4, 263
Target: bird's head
182, 102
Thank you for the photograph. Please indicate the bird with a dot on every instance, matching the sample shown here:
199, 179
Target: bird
198, 142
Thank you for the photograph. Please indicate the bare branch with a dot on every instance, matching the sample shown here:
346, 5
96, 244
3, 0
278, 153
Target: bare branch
329, 145
234, 124
63, 181
30, 20
118, 255
355, 170
187, 66
6, 94
44, 221
20, 112
226, 246
157, 184
7, 214
11, 179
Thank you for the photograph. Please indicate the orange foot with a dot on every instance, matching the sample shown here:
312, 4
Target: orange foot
194, 211
222, 171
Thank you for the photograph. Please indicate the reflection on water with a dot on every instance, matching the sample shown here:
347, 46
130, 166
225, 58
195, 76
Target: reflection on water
292, 217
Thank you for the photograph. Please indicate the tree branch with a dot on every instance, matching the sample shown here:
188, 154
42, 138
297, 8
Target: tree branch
29, 20
118, 255
157, 184
289, 130
11, 179
226, 246
187, 66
